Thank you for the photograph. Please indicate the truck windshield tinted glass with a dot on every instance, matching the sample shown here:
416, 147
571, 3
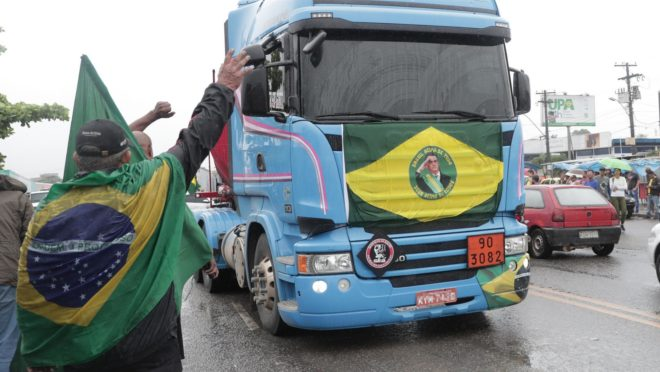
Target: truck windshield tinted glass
577, 197
406, 74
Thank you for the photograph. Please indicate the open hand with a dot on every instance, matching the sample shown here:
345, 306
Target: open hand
233, 70
212, 270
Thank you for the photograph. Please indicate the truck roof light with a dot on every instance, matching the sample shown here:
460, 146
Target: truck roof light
322, 15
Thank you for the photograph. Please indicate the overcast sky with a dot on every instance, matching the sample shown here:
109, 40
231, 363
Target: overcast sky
147, 50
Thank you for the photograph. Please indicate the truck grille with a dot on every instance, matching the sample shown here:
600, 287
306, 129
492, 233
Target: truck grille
435, 262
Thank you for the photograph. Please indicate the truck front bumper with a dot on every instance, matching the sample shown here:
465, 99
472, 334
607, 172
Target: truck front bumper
374, 302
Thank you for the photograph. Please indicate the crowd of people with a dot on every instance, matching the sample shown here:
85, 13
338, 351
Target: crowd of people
615, 186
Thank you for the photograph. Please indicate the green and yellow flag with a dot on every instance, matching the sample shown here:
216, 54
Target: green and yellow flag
409, 173
93, 101
99, 254
102, 250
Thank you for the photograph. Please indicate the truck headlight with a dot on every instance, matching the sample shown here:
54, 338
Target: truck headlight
309, 264
515, 245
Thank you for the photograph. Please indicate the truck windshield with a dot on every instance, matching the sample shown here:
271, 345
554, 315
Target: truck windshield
405, 76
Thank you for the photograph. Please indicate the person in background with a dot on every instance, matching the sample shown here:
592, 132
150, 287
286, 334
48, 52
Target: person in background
618, 185
633, 188
535, 180
163, 110
654, 193
530, 174
604, 182
15, 214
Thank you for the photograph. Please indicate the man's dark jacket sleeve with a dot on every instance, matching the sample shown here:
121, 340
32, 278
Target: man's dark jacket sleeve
203, 132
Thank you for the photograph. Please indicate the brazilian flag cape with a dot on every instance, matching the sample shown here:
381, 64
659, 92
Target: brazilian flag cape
100, 252
403, 174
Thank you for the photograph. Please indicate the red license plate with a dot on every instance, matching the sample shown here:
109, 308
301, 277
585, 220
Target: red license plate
485, 250
436, 298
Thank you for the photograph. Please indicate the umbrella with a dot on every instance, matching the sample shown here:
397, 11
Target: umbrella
608, 163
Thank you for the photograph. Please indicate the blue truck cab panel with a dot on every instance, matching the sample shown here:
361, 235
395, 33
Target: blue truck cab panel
337, 170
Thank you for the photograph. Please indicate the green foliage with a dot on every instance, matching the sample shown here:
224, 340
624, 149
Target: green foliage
26, 113
541, 159
2, 49
582, 131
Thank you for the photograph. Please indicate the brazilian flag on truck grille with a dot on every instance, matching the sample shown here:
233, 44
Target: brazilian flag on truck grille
409, 173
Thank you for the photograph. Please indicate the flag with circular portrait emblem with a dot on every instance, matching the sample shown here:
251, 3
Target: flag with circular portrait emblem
410, 173
99, 254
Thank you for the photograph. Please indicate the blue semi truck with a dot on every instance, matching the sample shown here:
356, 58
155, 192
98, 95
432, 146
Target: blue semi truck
373, 165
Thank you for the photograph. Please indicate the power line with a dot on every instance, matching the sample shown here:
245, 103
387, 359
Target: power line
534, 124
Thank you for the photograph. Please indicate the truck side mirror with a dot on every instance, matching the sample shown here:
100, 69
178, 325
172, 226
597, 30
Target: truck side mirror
256, 53
254, 93
521, 92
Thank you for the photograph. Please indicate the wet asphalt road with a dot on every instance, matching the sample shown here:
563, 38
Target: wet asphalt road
583, 312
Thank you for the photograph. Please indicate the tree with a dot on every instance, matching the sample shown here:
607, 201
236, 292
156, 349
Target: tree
541, 159
25, 113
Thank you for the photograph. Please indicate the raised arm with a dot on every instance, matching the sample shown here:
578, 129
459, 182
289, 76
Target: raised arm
162, 110
210, 115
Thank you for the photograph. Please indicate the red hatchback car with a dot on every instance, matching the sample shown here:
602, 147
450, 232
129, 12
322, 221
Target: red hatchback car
565, 217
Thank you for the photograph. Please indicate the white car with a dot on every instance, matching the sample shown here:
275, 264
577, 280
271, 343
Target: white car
654, 248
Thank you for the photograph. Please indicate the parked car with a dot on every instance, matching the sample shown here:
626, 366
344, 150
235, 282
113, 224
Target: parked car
36, 196
566, 217
654, 249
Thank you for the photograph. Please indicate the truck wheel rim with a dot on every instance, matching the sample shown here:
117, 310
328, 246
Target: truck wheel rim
264, 288
538, 243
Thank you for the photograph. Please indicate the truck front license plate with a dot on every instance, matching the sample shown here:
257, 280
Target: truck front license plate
436, 298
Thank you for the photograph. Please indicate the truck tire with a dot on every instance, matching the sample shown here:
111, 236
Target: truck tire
264, 288
603, 250
538, 245
226, 281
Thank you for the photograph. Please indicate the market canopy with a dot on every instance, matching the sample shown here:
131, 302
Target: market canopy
607, 163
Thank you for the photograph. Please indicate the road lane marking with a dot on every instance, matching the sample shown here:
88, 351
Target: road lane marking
596, 301
247, 319
587, 306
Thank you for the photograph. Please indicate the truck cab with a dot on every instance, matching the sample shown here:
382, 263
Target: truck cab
375, 162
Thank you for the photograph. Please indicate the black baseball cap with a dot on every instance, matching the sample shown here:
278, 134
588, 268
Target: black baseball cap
100, 138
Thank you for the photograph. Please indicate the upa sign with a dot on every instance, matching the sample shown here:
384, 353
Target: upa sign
568, 111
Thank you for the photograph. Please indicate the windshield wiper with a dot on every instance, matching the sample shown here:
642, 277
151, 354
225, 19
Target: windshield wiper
464, 114
370, 114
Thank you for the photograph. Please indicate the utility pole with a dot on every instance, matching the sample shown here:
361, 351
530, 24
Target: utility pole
631, 96
545, 121
570, 142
